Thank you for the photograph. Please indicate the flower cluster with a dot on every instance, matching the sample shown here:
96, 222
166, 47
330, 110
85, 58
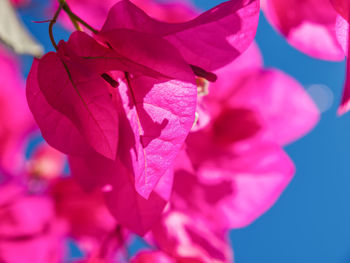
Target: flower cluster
173, 131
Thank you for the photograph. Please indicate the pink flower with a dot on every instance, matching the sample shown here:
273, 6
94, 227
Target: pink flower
15, 119
302, 22
236, 160
122, 105
233, 169
29, 231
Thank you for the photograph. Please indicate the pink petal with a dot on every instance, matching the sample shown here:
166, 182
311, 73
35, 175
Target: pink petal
209, 41
258, 177
301, 22
158, 117
230, 75
126, 205
342, 29
280, 104
342, 7
345, 101
127, 51
190, 238
232, 186
55, 127
150, 51
83, 97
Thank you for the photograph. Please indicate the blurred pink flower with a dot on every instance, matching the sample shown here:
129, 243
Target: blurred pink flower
46, 162
15, 118
29, 231
86, 214
304, 21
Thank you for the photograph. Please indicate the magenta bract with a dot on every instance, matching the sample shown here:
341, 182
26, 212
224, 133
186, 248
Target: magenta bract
209, 41
301, 22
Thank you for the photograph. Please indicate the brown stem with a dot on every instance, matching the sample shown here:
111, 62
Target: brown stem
69, 13
52, 22
76, 18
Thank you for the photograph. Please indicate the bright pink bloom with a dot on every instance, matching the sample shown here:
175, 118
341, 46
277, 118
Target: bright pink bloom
15, 119
245, 170
29, 231
147, 115
304, 21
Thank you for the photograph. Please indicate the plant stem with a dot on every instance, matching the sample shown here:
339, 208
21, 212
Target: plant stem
69, 13
76, 18
52, 22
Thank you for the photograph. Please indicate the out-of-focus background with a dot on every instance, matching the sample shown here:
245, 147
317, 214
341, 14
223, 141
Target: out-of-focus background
311, 220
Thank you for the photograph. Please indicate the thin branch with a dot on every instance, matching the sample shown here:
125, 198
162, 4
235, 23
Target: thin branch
78, 19
52, 22
71, 17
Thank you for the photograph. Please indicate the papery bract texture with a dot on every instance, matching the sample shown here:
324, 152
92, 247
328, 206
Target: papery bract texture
301, 22
83, 97
209, 41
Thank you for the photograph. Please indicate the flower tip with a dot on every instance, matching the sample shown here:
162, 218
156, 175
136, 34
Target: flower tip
343, 108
